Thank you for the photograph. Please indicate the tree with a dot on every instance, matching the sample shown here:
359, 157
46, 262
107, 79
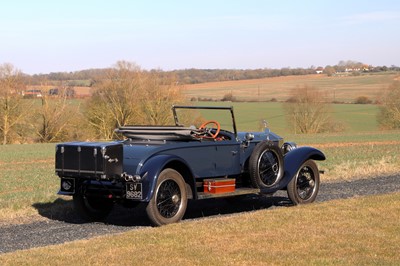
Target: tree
329, 71
129, 95
52, 119
307, 112
11, 111
389, 115
363, 100
115, 99
158, 94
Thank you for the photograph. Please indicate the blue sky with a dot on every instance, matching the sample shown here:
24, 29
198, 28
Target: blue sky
50, 36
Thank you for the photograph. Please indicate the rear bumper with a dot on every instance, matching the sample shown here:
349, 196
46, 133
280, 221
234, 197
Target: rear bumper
94, 188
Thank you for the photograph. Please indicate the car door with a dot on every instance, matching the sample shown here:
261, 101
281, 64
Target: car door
210, 158
227, 158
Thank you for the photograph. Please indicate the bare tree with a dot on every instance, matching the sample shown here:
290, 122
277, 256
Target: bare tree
158, 95
307, 111
99, 117
11, 109
115, 100
53, 117
129, 95
389, 115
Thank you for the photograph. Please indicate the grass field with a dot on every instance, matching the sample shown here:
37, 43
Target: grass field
27, 177
341, 89
248, 115
358, 231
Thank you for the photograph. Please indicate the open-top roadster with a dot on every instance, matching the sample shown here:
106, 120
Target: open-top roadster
165, 166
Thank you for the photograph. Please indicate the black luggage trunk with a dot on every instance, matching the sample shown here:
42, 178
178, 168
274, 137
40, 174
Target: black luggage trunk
89, 159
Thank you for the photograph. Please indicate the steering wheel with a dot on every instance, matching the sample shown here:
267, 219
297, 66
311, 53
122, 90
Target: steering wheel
203, 126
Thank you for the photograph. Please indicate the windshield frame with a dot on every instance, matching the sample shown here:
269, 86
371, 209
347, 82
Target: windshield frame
230, 109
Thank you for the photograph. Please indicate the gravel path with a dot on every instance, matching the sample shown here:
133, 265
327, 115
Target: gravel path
57, 230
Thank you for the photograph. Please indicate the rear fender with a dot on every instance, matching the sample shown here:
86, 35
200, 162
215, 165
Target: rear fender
152, 168
293, 160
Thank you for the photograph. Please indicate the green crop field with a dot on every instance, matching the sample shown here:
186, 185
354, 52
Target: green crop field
248, 115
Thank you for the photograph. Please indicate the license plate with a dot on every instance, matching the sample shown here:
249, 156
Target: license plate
134, 191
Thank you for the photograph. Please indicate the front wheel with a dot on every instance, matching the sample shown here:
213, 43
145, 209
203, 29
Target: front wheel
169, 201
303, 188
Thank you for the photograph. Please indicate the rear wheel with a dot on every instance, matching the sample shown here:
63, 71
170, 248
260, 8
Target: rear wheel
303, 188
92, 208
169, 201
266, 165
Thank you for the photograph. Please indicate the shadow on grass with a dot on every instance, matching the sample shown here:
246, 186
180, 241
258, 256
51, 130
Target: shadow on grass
62, 210
239, 204
59, 210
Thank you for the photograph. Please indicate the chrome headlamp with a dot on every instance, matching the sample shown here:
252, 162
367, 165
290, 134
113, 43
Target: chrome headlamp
288, 146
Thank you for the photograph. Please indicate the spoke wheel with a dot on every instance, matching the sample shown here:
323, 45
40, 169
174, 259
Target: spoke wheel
266, 165
303, 188
169, 201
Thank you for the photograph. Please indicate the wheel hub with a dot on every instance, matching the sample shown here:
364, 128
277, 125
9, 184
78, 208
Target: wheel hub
175, 199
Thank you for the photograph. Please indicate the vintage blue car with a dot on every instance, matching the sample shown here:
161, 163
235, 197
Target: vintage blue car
165, 166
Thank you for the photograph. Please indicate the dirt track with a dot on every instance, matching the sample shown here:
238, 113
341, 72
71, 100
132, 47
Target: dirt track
57, 230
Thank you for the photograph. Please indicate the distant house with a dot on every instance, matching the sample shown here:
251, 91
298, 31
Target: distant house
365, 68
32, 93
319, 70
352, 69
67, 92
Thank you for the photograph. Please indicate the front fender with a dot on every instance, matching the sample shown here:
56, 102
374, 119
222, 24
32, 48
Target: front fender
150, 171
293, 160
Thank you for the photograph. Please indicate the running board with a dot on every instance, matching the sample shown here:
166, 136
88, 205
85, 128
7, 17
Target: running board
237, 192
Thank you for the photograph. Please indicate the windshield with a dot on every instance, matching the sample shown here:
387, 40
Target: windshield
196, 115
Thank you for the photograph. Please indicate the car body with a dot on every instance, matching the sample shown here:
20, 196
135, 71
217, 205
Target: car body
165, 166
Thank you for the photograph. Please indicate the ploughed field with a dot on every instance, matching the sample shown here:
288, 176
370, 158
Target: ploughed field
336, 89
